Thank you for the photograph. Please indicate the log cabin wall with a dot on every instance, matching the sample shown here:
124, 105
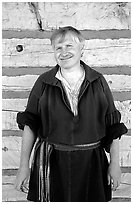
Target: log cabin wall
26, 53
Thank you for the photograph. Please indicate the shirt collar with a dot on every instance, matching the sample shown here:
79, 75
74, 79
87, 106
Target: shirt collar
90, 74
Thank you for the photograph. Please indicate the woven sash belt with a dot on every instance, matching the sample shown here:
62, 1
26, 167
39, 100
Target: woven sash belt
44, 169
63, 147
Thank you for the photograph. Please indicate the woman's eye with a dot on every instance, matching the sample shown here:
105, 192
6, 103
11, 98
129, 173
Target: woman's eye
69, 45
58, 48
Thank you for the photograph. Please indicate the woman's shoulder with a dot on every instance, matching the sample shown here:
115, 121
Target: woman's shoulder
48, 75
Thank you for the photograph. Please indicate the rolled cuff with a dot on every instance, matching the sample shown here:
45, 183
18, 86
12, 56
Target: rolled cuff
29, 119
113, 132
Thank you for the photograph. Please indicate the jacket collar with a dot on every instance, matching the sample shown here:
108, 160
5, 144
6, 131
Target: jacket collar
90, 74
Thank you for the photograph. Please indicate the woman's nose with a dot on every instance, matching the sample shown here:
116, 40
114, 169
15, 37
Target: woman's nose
64, 51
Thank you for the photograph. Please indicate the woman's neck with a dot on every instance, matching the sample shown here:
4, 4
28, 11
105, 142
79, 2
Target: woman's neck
73, 73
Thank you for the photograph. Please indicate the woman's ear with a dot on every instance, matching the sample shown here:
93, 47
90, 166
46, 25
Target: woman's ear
82, 47
82, 44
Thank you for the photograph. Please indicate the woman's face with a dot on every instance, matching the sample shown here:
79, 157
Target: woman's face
68, 52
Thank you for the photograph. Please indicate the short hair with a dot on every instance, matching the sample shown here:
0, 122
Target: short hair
62, 31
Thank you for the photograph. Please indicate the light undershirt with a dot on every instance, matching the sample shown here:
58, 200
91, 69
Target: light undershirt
71, 92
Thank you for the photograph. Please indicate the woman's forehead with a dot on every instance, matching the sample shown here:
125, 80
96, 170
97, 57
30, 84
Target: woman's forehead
68, 37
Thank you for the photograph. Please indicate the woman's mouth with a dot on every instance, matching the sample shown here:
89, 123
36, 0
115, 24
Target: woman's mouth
65, 58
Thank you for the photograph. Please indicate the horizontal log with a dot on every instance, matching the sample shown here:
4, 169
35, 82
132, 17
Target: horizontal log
99, 44
125, 110
88, 34
13, 172
12, 106
11, 152
9, 120
119, 96
38, 52
11, 147
126, 169
18, 133
10, 194
19, 83
101, 15
18, 71
26, 82
20, 105
125, 151
118, 82
107, 57
20, 94
9, 172
124, 190
118, 199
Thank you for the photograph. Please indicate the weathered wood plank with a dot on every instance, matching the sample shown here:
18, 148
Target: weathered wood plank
117, 199
11, 152
13, 172
125, 110
101, 15
88, 34
118, 82
125, 151
37, 52
121, 96
20, 94
12, 106
108, 43
26, 82
11, 147
10, 194
19, 83
37, 45
9, 120
124, 190
18, 71
118, 95
18, 133
20, 104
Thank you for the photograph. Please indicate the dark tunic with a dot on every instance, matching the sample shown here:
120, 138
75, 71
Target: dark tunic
79, 175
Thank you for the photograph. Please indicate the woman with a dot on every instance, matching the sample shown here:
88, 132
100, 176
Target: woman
71, 116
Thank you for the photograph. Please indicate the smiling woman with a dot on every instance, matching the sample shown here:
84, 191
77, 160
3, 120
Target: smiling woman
68, 48
72, 116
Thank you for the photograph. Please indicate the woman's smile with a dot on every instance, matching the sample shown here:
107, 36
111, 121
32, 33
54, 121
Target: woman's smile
67, 57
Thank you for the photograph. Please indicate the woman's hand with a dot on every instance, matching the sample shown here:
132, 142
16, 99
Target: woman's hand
114, 175
22, 179
28, 140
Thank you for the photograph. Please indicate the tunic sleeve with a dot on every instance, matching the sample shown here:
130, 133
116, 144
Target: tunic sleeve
30, 116
114, 128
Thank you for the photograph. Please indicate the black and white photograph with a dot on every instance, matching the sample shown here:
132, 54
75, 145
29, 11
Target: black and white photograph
66, 101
